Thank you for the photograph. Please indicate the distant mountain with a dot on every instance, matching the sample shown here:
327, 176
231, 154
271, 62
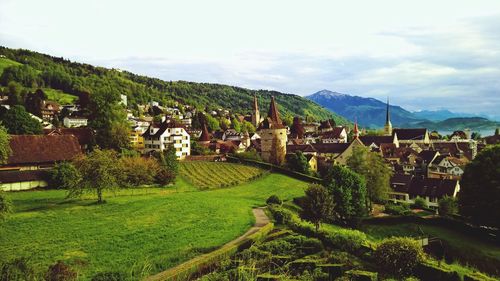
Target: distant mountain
460, 123
440, 115
369, 112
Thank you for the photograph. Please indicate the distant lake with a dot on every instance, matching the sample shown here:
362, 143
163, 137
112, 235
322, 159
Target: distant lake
484, 133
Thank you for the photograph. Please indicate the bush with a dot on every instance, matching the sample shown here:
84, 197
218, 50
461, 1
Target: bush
420, 203
5, 206
165, 176
109, 276
139, 170
17, 269
64, 176
60, 272
448, 206
399, 255
281, 216
397, 209
274, 199
349, 240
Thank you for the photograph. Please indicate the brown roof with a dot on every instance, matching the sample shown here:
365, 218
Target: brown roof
35, 149
457, 149
22, 176
377, 140
410, 134
432, 187
292, 148
333, 134
205, 136
85, 136
330, 147
273, 120
492, 139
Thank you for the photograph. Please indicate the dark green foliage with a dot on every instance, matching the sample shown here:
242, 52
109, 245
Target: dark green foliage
345, 239
60, 272
17, 270
250, 154
14, 93
298, 162
274, 199
139, 170
281, 215
318, 205
420, 203
397, 209
5, 205
361, 275
109, 276
5, 150
18, 122
169, 165
479, 196
64, 176
399, 255
448, 206
349, 193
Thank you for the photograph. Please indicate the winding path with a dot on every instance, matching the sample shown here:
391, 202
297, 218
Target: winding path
261, 220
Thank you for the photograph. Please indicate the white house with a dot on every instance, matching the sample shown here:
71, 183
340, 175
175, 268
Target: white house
159, 136
73, 122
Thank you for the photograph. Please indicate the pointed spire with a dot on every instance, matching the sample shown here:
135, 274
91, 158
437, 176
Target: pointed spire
355, 130
388, 115
273, 113
205, 136
255, 104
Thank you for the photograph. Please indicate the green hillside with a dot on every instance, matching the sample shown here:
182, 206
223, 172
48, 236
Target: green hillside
5, 62
45, 71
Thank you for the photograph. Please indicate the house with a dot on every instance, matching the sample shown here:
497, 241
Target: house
135, 137
335, 135
414, 135
336, 153
32, 157
85, 136
406, 188
374, 142
74, 122
50, 109
467, 149
159, 136
446, 167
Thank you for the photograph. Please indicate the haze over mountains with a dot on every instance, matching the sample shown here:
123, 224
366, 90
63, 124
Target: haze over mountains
371, 113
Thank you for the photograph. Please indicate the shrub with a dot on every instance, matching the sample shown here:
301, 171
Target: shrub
281, 216
17, 269
64, 176
420, 203
5, 206
139, 170
397, 209
448, 206
60, 272
165, 176
399, 255
109, 276
349, 240
274, 199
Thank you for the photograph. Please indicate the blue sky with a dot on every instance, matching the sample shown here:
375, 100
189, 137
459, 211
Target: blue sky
423, 54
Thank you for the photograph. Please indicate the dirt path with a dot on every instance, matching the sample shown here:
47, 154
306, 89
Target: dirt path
261, 220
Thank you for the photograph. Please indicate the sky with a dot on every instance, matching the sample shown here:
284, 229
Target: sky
424, 55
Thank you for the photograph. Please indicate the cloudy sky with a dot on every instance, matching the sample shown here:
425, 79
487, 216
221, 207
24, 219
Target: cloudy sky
422, 54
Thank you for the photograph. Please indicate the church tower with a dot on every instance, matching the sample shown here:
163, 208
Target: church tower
273, 136
255, 112
388, 125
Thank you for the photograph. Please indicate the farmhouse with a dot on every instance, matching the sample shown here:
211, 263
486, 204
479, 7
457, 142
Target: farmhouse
32, 156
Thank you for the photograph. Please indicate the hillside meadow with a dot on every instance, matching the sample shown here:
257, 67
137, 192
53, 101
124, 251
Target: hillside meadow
138, 231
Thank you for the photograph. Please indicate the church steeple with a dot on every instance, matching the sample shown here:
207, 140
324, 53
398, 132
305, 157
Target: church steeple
388, 125
273, 113
355, 131
255, 113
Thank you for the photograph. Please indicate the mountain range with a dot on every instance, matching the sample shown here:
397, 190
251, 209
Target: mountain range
370, 112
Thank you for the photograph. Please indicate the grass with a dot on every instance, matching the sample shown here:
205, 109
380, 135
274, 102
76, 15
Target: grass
5, 62
59, 96
207, 175
139, 231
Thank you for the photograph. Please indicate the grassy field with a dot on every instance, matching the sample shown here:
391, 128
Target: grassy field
59, 96
138, 231
206, 175
5, 62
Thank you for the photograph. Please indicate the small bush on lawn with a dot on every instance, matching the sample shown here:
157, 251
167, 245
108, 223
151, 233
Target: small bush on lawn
17, 269
139, 170
274, 199
281, 216
420, 203
397, 209
60, 272
5, 206
399, 255
448, 206
109, 276
349, 240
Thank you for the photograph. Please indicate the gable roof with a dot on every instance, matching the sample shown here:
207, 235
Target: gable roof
436, 188
85, 136
273, 120
335, 148
170, 123
410, 134
333, 134
36, 149
377, 140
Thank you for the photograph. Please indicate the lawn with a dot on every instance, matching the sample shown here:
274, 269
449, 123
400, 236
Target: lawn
5, 62
59, 96
206, 175
138, 232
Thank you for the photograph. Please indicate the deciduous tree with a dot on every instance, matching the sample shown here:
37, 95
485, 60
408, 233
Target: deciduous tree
19, 122
298, 162
5, 150
318, 205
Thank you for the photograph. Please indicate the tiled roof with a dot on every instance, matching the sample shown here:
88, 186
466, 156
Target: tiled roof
330, 147
85, 136
171, 123
333, 134
377, 140
432, 187
273, 120
410, 134
35, 149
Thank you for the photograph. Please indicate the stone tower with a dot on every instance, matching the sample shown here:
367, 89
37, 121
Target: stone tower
255, 113
388, 125
273, 136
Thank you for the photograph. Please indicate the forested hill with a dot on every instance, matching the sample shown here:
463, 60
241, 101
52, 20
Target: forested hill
35, 70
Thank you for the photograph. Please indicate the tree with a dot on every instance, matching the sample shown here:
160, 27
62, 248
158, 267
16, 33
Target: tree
448, 206
65, 176
169, 166
119, 138
139, 170
399, 255
375, 171
14, 93
475, 135
497, 131
236, 125
318, 205
479, 196
34, 102
19, 122
5, 150
212, 123
224, 123
100, 170
248, 127
274, 199
5, 205
349, 193
298, 162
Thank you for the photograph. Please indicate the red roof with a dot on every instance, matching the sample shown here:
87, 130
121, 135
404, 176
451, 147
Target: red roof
273, 120
34, 149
